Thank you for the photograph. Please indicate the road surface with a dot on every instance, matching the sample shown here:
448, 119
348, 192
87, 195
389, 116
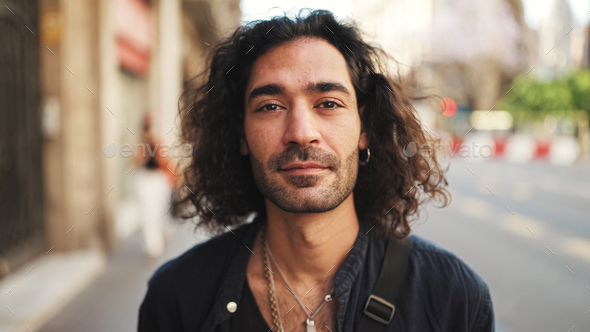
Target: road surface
526, 230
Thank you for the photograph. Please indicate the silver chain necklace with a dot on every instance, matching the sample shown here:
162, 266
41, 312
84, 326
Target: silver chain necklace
309, 321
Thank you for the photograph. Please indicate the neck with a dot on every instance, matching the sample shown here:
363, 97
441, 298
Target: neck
311, 247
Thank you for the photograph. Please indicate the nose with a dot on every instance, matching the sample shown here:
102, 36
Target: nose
302, 126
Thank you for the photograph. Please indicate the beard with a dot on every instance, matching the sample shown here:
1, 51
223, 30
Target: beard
306, 193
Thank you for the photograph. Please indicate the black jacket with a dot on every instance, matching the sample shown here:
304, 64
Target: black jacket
438, 293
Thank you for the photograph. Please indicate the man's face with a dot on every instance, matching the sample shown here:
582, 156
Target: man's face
301, 108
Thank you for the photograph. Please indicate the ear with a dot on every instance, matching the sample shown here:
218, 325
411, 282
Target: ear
243, 147
363, 142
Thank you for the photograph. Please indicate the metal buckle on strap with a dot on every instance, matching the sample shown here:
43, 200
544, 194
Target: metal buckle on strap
379, 309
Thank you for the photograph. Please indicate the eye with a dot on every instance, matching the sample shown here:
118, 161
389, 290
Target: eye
268, 108
330, 104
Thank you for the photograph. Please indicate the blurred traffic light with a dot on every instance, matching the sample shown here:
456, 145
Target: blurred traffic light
448, 106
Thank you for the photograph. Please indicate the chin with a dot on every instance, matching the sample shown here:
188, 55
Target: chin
306, 200
306, 208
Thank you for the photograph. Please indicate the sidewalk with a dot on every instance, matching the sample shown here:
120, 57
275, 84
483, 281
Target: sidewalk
111, 302
40, 289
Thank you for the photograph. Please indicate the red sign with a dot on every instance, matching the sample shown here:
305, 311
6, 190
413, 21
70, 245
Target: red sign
134, 34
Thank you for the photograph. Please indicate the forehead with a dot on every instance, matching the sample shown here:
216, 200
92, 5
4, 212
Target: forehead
296, 63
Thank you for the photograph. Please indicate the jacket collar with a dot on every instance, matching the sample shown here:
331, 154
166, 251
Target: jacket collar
231, 287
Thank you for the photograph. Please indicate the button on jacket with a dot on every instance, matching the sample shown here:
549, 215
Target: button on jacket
201, 289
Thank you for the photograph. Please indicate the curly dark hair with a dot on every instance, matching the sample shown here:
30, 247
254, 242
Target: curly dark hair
221, 189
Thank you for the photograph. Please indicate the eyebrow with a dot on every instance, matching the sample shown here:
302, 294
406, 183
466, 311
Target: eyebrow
327, 86
268, 89
276, 89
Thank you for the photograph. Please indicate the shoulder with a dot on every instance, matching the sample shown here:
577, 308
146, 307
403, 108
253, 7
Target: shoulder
189, 282
442, 264
451, 285
212, 254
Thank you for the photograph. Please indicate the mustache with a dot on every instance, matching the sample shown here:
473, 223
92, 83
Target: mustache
297, 154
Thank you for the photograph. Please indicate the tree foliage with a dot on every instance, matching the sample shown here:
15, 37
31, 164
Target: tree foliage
532, 99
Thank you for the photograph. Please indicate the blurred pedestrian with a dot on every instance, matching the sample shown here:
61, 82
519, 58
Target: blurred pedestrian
154, 191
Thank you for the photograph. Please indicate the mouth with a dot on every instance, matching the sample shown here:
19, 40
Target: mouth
301, 171
304, 168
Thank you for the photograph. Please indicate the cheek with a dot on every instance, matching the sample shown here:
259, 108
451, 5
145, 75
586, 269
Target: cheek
261, 138
343, 134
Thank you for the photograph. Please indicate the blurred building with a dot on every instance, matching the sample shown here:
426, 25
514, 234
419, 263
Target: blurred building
76, 77
555, 35
585, 59
401, 27
21, 183
477, 48
465, 50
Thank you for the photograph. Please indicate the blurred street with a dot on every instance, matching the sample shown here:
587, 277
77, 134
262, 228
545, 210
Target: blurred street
91, 122
522, 239
111, 302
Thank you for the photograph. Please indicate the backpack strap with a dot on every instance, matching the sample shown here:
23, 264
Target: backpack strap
380, 305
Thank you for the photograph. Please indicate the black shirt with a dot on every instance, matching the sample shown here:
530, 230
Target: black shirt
195, 291
248, 316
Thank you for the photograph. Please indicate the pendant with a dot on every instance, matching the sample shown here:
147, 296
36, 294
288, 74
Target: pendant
310, 325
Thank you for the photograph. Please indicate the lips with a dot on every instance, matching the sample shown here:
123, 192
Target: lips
302, 166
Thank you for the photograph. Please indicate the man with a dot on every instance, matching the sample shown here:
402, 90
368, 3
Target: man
293, 120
